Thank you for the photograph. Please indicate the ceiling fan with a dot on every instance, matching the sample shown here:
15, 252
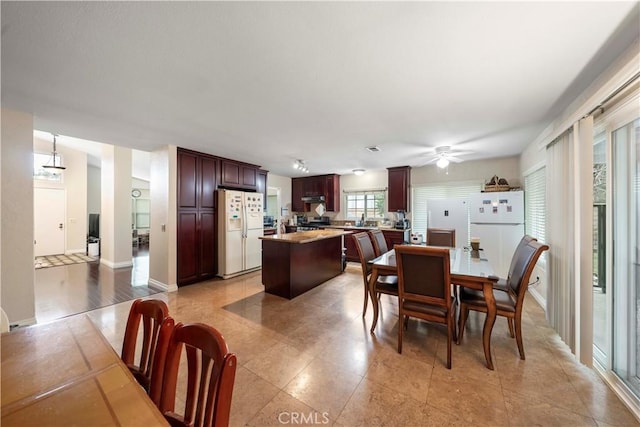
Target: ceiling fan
443, 155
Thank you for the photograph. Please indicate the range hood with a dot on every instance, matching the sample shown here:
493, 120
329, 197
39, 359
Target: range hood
313, 199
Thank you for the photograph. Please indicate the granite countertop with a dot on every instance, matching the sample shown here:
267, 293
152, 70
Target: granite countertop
305, 236
353, 227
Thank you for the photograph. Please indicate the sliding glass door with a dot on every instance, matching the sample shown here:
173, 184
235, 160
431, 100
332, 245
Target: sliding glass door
625, 349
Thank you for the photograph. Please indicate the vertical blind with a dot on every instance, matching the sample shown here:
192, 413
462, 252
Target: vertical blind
445, 190
535, 205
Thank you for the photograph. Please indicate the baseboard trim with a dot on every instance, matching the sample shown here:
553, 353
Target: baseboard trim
22, 323
539, 299
163, 286
116, 265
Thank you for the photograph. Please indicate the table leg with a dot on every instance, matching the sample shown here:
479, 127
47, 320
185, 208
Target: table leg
489, 320
372, 294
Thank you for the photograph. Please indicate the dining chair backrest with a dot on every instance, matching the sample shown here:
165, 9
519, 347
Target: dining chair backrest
379, 242
151, 313
211, 371
423, 274
441, 237
521, 245
365, 251
525, 262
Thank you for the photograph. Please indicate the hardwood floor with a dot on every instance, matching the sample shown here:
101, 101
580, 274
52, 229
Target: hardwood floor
76, 288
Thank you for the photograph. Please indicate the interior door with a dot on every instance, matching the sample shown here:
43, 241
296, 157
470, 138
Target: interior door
49, 221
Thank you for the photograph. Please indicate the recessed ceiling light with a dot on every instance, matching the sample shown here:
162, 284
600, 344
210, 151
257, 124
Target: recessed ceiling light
358, 172
373, 148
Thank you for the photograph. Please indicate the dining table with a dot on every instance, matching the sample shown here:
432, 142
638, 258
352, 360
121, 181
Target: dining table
66, 373
468, 268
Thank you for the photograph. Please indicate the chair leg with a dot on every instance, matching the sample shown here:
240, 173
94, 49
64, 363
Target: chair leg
518, 323
454, 325
464, 312
400, 331
406, 322
450, 332
510, 323
366, 300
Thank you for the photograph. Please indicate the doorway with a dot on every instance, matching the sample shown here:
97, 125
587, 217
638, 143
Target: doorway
49, 221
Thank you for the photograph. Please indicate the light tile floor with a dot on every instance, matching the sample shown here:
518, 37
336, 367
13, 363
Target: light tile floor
312, 361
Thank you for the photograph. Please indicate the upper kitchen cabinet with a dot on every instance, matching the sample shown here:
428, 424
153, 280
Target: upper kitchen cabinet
296, 194
261, 185
399, 184
197, 180
327, 186
242, 176
332, 196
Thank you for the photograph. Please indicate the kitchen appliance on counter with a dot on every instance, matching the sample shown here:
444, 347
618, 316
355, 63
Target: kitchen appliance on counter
402, 223
240, 224
268, 221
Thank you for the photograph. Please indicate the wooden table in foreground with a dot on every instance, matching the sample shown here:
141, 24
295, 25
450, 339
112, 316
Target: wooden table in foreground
294, 263
468, 268
66, 373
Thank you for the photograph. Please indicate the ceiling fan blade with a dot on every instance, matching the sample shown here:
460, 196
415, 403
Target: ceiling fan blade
454, 159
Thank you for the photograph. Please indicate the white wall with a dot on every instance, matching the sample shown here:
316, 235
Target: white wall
74, 182
17, 295
476, 170
284, 184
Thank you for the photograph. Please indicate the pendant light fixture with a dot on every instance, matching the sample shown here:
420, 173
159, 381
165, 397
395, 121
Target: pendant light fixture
52, 163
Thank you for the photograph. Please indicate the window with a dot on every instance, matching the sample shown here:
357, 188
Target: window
44, 174
535, 206
445, 190
369, 203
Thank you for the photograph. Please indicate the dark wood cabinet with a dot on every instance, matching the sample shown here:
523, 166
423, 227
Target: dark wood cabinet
241, 176
332, 193
399, 179
296, 195
261, 186
396, 237
322, 185
197, 240
351, 252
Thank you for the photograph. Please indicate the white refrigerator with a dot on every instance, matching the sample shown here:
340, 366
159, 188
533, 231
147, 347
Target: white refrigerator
498, 220
449, 213
240, 225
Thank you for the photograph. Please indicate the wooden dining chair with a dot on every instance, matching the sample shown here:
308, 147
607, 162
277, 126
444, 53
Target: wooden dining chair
424, 289
384, 284
510, 302
152, 313
379, 242
211, 371
441, 237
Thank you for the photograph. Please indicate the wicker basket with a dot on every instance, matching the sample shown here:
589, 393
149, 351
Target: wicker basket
488, 188
496, 184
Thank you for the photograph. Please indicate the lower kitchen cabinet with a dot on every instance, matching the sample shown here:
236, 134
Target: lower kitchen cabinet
351, 251
396, 237
197, 247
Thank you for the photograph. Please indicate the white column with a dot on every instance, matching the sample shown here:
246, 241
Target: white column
115, 218
16, 232
162, 236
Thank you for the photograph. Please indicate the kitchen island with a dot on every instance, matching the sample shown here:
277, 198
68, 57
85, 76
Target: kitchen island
294, 263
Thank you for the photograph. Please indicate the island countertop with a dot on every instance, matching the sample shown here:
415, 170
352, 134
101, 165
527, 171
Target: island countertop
305, 236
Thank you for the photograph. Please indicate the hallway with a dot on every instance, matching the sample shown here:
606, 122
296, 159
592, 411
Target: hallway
77, 288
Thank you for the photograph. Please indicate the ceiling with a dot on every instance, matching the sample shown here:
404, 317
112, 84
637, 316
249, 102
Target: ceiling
271, 82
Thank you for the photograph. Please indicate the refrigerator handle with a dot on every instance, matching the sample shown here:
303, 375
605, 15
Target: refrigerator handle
244, 219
